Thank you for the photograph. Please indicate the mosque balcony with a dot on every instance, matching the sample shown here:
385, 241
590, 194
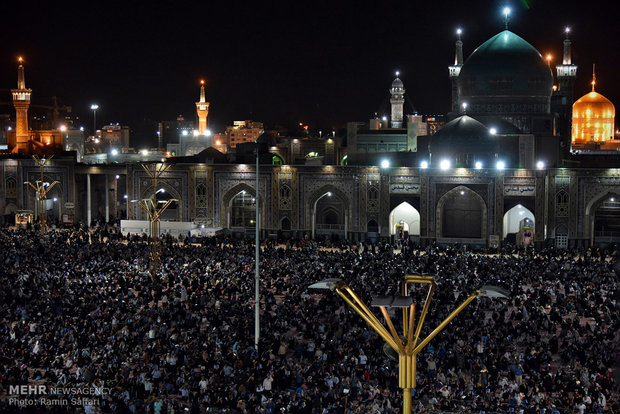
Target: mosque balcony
566, 70
21, 95
454, 71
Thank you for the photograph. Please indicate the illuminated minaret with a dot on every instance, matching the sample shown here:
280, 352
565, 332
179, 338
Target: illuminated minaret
564, 95
202, 109
455, 70
397, 100
567, 72
21, 102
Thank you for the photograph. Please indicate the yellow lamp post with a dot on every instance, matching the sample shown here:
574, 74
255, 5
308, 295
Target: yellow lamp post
153, 209
408, 346
41, 188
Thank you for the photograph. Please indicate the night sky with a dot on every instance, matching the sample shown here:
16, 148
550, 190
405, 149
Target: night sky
322, 64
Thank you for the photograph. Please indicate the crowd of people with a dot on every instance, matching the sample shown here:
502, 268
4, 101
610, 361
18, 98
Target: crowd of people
79, 308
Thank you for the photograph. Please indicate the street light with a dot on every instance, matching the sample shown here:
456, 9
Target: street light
94, 107
328, 194
408, 346
41, 189
154, 211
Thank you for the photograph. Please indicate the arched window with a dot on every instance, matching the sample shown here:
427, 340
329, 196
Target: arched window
562, 197
286, 223
201, 195
11, 187
372, 227
285, 191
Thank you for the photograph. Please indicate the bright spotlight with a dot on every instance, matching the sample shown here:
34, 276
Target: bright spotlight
424, 164
540, 165
444, 164
114, 152
385, 164
493, 131
184, 132
329, 194
478, 165
500, 165
459, 31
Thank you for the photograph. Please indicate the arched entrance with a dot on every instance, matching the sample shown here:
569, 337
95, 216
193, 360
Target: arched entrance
461, 214
242, 208
605, 220
164, 193
518, 228
404, 220
329, 213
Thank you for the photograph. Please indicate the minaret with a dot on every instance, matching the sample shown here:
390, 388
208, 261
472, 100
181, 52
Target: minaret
567, 72
21, 102
397, 100
565, 75
202, 109
455, 70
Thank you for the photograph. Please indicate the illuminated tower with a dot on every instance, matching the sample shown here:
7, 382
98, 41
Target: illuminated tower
202, 109
566, 72
397, 100
593, 118
563, 95
455, 70
21, 101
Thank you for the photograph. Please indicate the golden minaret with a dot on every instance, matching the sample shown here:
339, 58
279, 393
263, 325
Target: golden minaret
21, 102
202, 109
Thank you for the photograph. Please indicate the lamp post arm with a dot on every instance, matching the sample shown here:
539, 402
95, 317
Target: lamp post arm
388, 320
164, 207
365, 313
33, 186
51, 186
446, 321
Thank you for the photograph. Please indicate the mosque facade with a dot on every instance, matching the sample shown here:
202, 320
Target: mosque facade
499, 172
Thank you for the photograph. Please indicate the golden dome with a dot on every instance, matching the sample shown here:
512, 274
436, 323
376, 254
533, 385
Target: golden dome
596, 102
593, 118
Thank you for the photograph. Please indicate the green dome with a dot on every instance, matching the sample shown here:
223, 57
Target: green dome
505, 66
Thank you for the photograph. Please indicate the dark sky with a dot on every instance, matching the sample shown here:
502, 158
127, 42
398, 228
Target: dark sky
324, 63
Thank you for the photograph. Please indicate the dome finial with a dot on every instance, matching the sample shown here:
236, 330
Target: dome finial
593, 76
506, 19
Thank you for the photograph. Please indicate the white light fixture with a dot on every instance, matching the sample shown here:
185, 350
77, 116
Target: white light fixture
444, 164
500, 165
184, 132
493, 131
385, 164
424, 164
114, 152
540, 165
478, 165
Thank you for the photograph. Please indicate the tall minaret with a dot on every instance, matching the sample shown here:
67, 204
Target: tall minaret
397, 100
567, 72
202, 109
455, 70
21, 102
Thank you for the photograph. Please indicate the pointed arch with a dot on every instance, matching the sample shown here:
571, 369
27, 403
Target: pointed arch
174, 212
405, 218
313, 199
514, 220
226, 204
461, 206
593, 206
